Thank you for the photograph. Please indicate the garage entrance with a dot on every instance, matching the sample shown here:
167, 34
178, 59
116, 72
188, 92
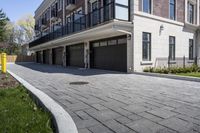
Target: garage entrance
75, 55
46, 55
57, 56
109, 54
38, 57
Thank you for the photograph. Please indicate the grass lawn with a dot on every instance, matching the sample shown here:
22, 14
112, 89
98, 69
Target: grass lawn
190, 74
18, 113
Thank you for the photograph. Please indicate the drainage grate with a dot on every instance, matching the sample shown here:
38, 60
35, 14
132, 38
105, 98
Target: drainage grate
79, 83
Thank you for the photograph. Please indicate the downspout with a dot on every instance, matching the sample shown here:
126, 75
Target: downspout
133, 40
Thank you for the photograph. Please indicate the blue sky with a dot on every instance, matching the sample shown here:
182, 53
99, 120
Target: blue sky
15, 9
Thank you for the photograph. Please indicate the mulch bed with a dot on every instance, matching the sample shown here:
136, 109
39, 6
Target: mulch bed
7, 81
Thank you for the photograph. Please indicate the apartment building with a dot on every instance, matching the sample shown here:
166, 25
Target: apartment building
119, 35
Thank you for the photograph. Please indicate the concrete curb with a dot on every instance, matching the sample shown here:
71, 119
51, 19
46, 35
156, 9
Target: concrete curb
63, 121
170, 76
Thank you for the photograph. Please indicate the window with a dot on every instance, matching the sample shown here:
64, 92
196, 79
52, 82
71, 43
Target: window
147, 6
190, 13
70, 2
112, 42
172, 6
103, 43
48, 14
146, 47
59, 4
172, 47
191, 49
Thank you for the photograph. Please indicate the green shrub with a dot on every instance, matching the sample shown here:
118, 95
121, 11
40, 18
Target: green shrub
173, 70
147, 69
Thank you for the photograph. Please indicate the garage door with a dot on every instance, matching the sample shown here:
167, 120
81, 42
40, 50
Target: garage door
75, 55
57, 54
110, 54
46, 54
38, 57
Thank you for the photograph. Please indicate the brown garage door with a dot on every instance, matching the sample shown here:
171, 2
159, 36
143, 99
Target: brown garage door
109, 54
46, 54
57, 54
75, 55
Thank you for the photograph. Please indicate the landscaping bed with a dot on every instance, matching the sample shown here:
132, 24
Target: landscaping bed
7, 81
18, 112
193, 71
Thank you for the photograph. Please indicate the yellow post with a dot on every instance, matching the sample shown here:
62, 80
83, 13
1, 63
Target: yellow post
3, 62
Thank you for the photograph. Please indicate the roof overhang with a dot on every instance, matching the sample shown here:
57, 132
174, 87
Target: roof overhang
111, 29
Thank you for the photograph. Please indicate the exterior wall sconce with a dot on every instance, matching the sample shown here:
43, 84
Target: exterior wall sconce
128, 37
161, 29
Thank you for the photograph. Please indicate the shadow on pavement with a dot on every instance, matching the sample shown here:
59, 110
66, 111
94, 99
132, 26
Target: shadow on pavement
69, 70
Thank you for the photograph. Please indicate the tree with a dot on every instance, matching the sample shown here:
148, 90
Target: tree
3, 21
26, 28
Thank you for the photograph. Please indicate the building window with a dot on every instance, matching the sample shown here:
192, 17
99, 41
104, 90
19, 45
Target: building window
147, 6
191, 49
190, 13
146, 46
70, 2
48, 14
172, 5
172, 47
59, 4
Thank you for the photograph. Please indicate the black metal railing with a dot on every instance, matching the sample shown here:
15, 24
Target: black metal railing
80, 23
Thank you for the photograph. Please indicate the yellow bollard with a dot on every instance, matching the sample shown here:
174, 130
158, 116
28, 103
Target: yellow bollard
3, 62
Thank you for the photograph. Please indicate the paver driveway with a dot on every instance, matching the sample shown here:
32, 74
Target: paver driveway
117, 102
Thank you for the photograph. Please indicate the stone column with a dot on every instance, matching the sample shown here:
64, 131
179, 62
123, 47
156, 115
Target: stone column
50, 57
198, 12
87, 54
64, 56
41, 57
129, 53
186, 2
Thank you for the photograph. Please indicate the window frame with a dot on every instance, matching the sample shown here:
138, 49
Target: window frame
189, 12
175, 9
150, 6
60, 3
172, 54
191, 55
148, 43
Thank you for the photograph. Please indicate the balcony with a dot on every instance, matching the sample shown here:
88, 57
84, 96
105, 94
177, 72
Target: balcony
70, 5
80, 23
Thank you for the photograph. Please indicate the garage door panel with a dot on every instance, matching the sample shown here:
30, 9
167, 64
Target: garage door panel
57, 56
46, 55
109, 57
75, 55
38, 57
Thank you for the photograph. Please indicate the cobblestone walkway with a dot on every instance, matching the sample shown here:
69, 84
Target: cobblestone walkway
117, 102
